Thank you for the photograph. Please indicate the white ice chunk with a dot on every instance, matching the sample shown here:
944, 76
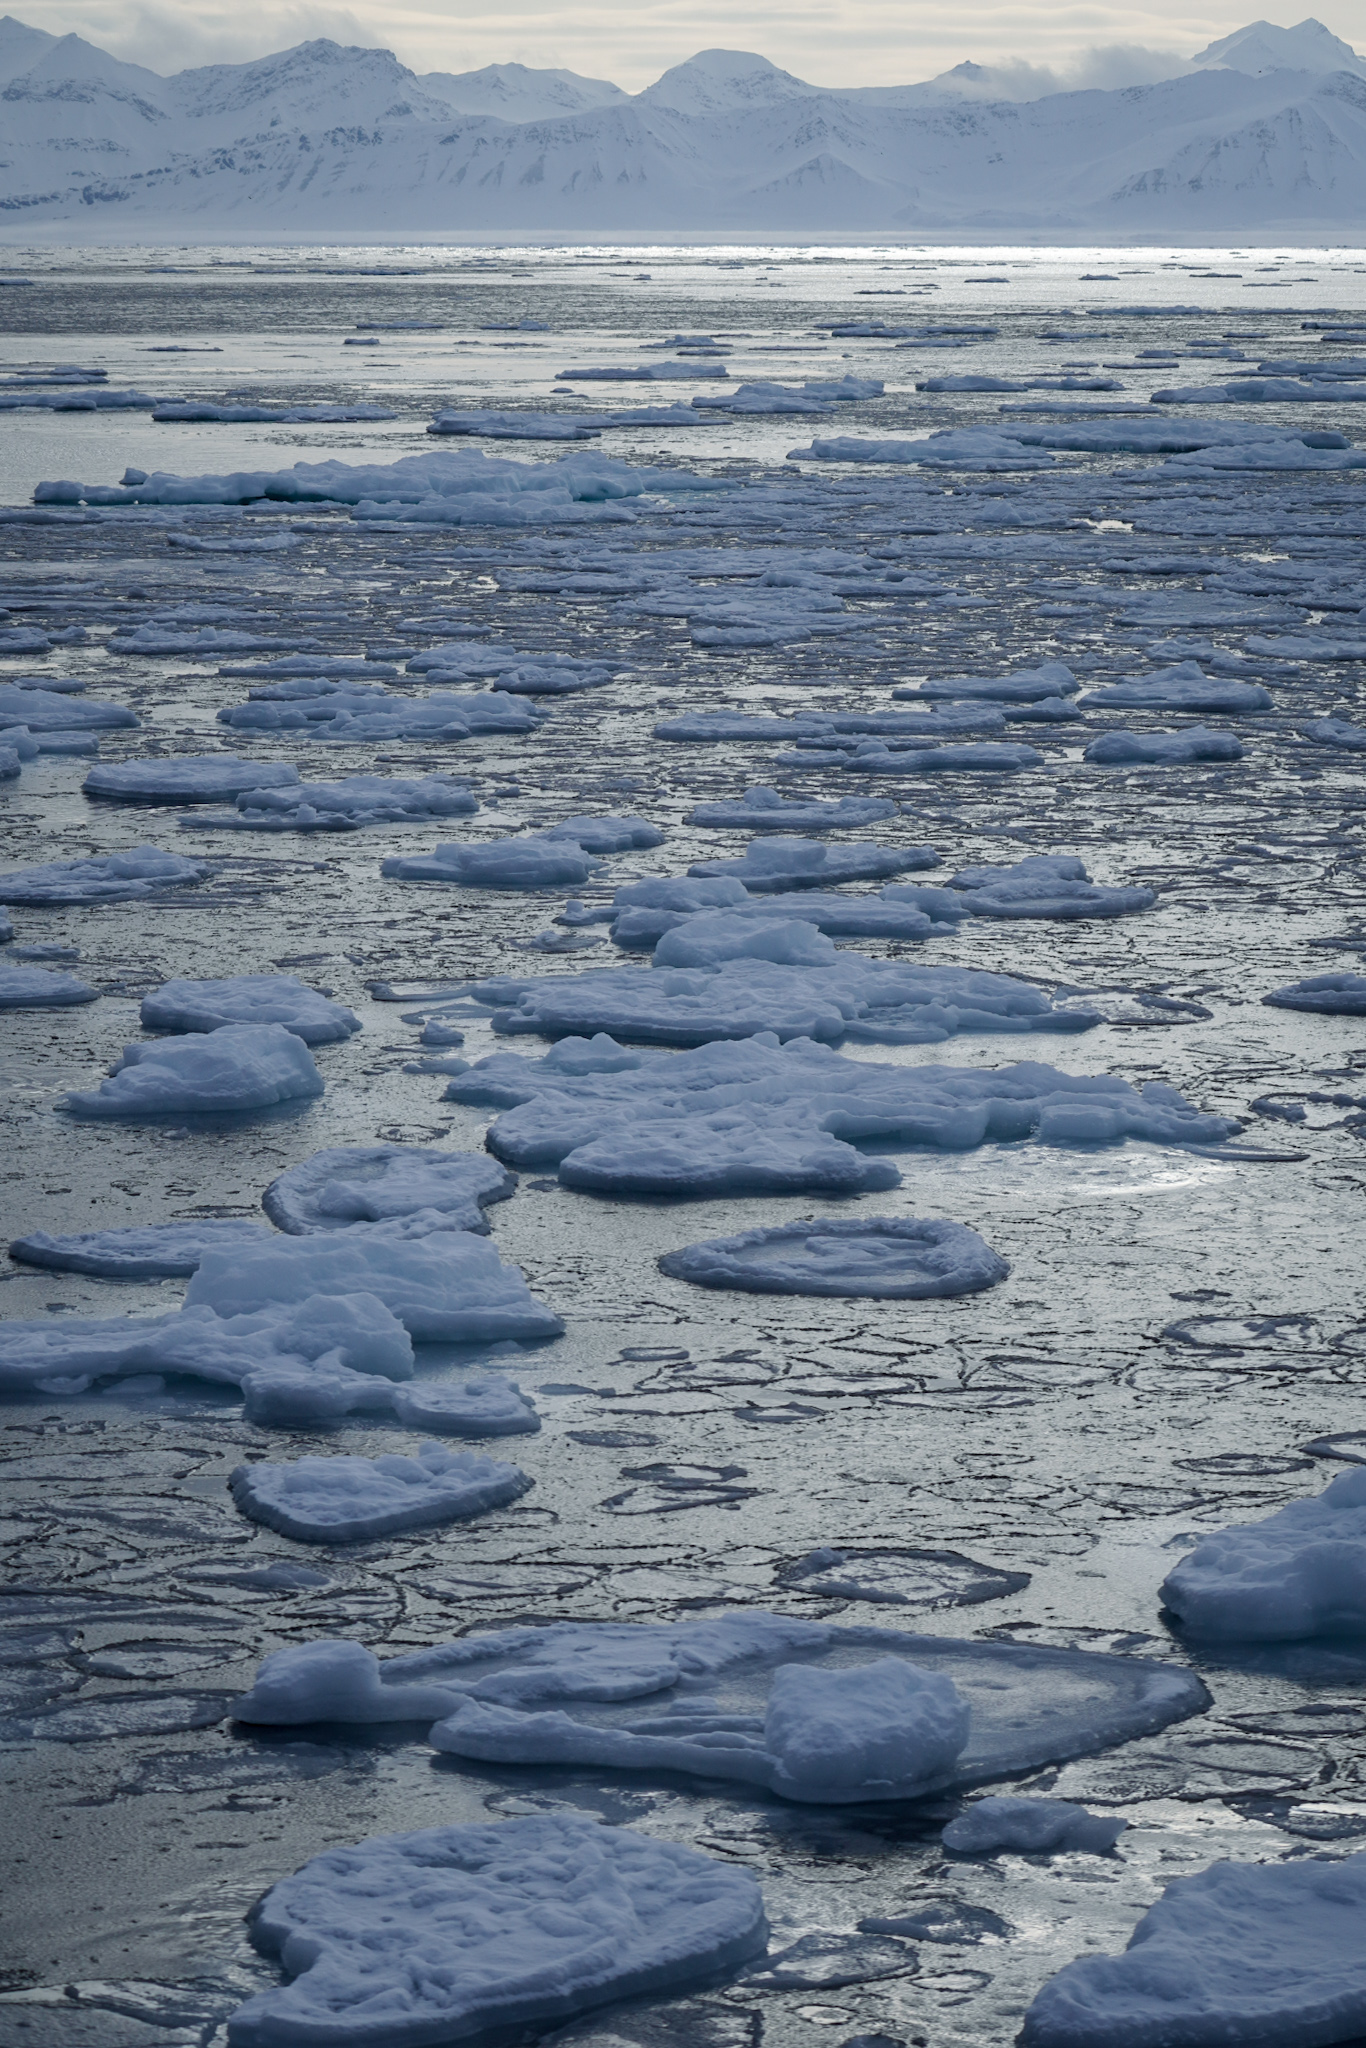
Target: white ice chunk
980, 757
884, 1258
573, 1693
1183, 688
111, 878
53, 711
711, 941
448, 1289
459, 1933
791, 862
1196, 743
352, 1500
608, 835
1035, 1827
1020, 686
284, 1394
238, 1067
1338, 732
764, 810
248, 999
186, 779
37, 988
418, 1186
1238, 1953
988, 449
526, 861
1299, 1573
348, 804
886, 1724
1045, 885
1330, 995
202, 412
148, 1251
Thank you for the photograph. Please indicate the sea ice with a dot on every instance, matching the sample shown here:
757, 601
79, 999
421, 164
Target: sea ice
346, 805
235, 1068
416, 1186
148, 1251
184, 1006
885, 1258
985, 757
989, 449
573, 1694
37, 988
528, 860
1239, 1953
200, 411
53, 711
477, 1932
899, 911
186, 779
1196, 743
1184, 688
1021, 686
112, 878
1331, 995
447, 1289
1338, 732
790, 862
1299, 1573
1034, 1827
517, 426
280, 1394
1045, 885
713, 941
764, 810
608, 835
353, 1500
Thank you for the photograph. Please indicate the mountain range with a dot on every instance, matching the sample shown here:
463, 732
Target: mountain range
1264, 134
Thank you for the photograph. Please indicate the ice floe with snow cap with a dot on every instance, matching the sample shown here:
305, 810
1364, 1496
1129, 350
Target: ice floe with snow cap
1329, 995
186, 779
353, 1500
882, 1258
107, 878
1240, 1952
756, 1116
819, 1713
1030, 1826
763, 810
1196, 743
235, 1068
1298, 1574
345, 805
789, 861
43, 710
416, 1187
144, 1251
528, 860
484, 1932
1045, 885
39, 988
1183, 688
204, 1006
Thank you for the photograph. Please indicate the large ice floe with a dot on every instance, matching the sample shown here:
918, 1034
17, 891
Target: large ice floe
1300, 1573
186, 1006
40, 988
756, 988
218, 1071
1020, 686
531, 860
417, 1189
360, 714
1183, 688
107, 878
732, 1118
1045, 885
147, 1251
885, 1258
641, 913
456, 487
235, 1068
816, 1712
185, 779
1030, 1826
981, 757
481, 1933
1246, 1953
345, 805
53, 711
353, 1500
789, 861
1167, 749
1330, 995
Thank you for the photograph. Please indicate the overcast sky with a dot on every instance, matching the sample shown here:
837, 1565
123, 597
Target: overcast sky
832, 42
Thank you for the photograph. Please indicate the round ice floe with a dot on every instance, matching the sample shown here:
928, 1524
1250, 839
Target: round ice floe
1197, 743
710, 941
1332, 995
532, 861
153, 1251
428, 1189
351, 1500
1239, 1953
111, 878
240, 1067
895, 1258
36, 988
462, 1933
764, 810
53, 711
1183, 688
1035, 1826
185, 779
1300, 1573
791, 862
188, 1006
696, 1696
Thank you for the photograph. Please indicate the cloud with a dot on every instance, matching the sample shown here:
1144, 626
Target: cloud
1105, 67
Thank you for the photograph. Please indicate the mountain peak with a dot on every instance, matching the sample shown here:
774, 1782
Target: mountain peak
723, 82
1261, 46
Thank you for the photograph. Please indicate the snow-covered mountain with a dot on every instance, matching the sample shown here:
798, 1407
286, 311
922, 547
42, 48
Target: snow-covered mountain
323, 139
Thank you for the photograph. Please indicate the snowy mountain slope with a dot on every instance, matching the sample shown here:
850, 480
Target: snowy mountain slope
514, 92
324, 138
1263, 47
